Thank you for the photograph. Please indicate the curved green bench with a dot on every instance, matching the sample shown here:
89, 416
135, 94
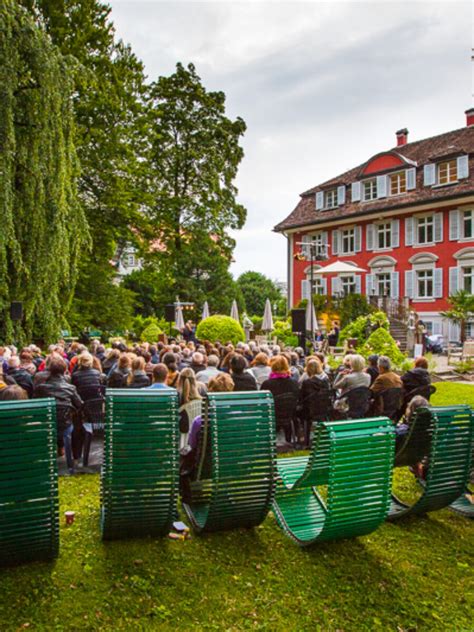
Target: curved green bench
443, 437
235, 479
29, 518
354, 460
139, 478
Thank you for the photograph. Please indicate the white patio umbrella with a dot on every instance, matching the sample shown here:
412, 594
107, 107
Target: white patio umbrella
309, 309
178, 317
339, 267
205, 311
267, 324
234, 312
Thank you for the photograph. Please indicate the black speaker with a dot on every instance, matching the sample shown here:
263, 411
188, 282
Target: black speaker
169, 313
16, 310
298, 321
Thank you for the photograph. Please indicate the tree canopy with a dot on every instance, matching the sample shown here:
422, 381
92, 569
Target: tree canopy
256, 288
43, 227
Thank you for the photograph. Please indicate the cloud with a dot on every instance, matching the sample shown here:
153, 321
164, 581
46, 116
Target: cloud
321, 85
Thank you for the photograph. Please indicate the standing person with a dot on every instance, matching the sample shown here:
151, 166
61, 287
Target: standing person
190, 401
68, 401
333, 335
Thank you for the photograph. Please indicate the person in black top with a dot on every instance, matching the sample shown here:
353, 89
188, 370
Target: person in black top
372, 369
243, 381
285, 393
333, 335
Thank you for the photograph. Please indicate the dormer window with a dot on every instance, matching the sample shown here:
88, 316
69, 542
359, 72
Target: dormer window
369, 189
330, 198
447, 172
398, 183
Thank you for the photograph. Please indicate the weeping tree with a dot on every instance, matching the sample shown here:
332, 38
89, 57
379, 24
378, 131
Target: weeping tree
43, 229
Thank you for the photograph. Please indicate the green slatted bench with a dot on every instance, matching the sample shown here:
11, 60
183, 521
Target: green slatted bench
139, 477
235, 479
443, 435
353, 460
29, 514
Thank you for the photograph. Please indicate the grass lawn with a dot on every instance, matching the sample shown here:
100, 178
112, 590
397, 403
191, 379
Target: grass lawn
415, 575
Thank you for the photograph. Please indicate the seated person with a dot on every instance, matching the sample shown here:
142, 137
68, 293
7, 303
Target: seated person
372, 369
417, 377
387, 378
13, 392
159, 375
221, 383
243, 380
315, 395
402, 428
352, 376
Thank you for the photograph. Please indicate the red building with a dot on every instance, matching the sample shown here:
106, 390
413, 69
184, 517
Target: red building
406, 216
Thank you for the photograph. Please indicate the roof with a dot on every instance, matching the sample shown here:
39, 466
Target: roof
419, 152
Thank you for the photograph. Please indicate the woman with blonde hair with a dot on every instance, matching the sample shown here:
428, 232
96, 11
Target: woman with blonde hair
138, 378
353, 377
260, 368
190, 404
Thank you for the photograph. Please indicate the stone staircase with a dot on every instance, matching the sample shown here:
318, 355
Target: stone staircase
398, 330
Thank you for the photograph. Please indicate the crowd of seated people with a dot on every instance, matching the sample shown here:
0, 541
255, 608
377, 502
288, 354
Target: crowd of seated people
305, 390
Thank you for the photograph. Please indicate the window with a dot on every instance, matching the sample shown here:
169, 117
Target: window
468, 224
425, 230
448, 172
369, 189
424, 283
398, 183
131, 261
384, 235
330, 199
468, 279
383, 284
348, 241
319, 286
348, 284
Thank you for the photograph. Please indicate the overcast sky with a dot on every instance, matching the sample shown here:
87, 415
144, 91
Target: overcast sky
322, 86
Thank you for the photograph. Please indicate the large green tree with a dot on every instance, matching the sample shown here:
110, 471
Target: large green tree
193, 158
43, 228
256, 288
111, 130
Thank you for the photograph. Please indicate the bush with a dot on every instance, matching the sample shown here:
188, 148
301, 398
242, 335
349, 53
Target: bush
151, 333
382, 343
351, 307
220, 328
283, 333
363, 326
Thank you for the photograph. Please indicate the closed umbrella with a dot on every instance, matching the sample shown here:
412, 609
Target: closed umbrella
234, 312
178, 317
267, 324
311, 318
205, 311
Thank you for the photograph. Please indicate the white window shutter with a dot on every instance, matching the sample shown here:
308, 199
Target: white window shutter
381, 186
409, 231
335, 285
324, 239
305, 289
437, 327
410, 283
336, 238
355, 191
305, 248
395, 233
429, 174
454, 331
411, 179
454, 225
369, 284
319, 200
341, 194
394, 284
438, 283
453, 280
358, 283
370, 237
358, 238
463, 167
324, 284
438, 227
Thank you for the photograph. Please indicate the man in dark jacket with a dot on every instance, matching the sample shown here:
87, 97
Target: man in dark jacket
67, 401
417, 377
242, 381
21, 376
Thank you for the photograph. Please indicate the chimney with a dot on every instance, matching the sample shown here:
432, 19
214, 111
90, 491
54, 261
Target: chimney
402, 137
469, 117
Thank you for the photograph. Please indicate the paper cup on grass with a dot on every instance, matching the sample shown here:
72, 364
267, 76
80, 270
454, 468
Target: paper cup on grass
70, 515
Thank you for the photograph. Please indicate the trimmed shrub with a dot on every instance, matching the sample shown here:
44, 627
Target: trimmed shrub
363, 326
382, 343
220, 328
150, 334
283, 333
